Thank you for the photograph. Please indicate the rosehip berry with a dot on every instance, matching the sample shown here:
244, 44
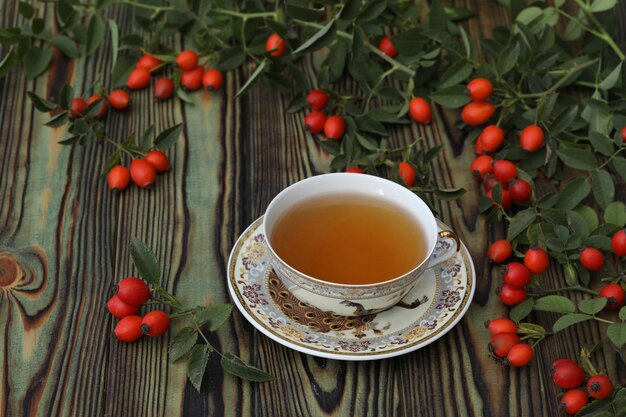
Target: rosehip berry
520, 355
500, 251
568, 374
158, 160
212, 79
504, 170
355, 170
317, 100
133, 291
591, 259
479, 149
481, 166
614, 294
143, 173
163, 88
155, 323
187, 60
477, 112
118, 178
560, 361
505, 197
490, 139
77, 108
501, 325
103, 103
512, 296
517, 275
335, 127
420, 110
479, 89
489, 181
119, 99
618, 243
574, 400
501, 343
407, 173
275, 45
139, 78
623, 132
191, 80
520, 190
386, 47
600, 387
120, 309
148, 62
536, 260
531, 138
314, 122
128, 329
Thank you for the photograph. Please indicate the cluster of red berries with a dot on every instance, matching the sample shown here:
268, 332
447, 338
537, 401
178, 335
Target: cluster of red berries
315, 122
143, 171
131, 294
568, 375
478, 111
505, 344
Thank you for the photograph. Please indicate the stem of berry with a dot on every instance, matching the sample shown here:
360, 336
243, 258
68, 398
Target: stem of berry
575, 288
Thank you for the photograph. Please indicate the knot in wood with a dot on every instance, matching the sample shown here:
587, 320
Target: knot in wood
10, 270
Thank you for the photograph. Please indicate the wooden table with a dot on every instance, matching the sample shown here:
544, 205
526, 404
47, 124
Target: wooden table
64, 241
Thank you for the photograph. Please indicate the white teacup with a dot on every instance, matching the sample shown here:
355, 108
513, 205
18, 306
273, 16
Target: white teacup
357, 299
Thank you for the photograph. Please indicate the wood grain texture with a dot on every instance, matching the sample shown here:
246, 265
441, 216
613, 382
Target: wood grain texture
64, 241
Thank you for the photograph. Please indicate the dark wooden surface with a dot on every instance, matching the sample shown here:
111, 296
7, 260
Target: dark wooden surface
64, 241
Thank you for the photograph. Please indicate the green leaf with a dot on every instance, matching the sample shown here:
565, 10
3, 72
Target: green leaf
611, 79
7, 63
372, 10
602, 243
508, 59
114, 160
622, 313
350, 9
95, 33
146, 142
115, 41
619, 164
303, 13
602, 5
231, 58
26, 10
182, 343
577, 158
235, 366
598, 408
215, 315
437, 18
603, 188
58, 120
520, 222
37, 61
168, 137
555, 303
257, 72
522, 310
573, 193
67, 94
617, 333
93, 109
198, 360
569, 320
122, 68
590, 216
456, 73
41, 103
451, 97
601, 143
297, 103
322, 38
66, 45
449, 194
145, 261
615, 213
564, 120
592, 306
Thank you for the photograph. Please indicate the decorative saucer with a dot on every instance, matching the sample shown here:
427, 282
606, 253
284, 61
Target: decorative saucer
445, 293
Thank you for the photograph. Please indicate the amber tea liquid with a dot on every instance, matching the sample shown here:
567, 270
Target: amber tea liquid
349, 239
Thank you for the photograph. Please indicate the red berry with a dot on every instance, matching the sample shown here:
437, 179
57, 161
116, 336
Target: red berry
479, 89
500, 251
407, 173
536, 260
531, 138
212, 79
481, 166
568, 374
314, 122
520, 191
128, 329
77, 108
133, 291
479, 148
191, 80
275, 45
148, 62
119, 99
158, 160
574, 400
614, 294
618, 243
489, 181
512, 296
599, 387
501, 343
520, 355
155, 323
143, 173
477, 112
317, 99
501, 325
420, 110
490, 139
517, 275
386, 47
591, 259
505, 202
102, 102
623, 132
120, 309
335, 127
118, 178
560, 361
355, 170
139, 78
504, 170
163, 88
187, 60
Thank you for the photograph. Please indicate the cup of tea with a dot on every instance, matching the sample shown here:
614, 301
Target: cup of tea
353, 244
